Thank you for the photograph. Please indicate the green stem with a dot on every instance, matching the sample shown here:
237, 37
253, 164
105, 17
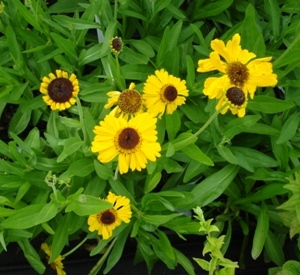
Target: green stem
75, 248
116, 10
80, 112
99, 264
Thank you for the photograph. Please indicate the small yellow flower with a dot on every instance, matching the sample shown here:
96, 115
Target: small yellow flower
105, 222
233, 99
134, 142
57, 263
127, 103
60, 90
164, 92
116, 45
238, 68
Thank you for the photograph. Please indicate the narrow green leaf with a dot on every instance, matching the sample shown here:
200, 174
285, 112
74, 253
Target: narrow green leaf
269, 105
71, 145
32, 256
65, 45
274, 249
151, 182
195, 153
173, 123
289, 128
80, 168
261, 232
214, 185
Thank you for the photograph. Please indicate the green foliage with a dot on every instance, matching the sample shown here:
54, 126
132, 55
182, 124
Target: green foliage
235, 169
218, 264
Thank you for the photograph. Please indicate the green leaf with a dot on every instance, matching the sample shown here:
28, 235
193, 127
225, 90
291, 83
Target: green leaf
274, 249
252, 38
74, 23
173, 124
227, 154
159, 219
30, 216
84, 205
289, 128
214, 185
195, 153
65, 45
71, 145
129, 56
103, 171
184, 262
272, 8
260, 233
211, 9
249, 158
180, 142
152, 181
32, 256
143, 47
268, 104
239, 125
19, 121
80, 168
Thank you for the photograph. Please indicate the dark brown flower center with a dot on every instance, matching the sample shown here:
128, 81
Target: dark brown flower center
236, 96
170, 93
60, 90
238, 73
128, 138
130, 101
117, 44
107, 217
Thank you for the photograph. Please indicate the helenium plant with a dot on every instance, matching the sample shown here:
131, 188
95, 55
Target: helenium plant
127, 121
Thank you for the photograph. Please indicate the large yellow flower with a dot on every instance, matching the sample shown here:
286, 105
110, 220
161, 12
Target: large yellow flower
128, 103
133, 141
164, 92
238, 68
105, 222
233, 99
60, 90
57, 263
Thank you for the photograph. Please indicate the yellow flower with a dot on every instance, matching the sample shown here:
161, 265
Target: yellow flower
60, 90
105, 222
164, 92
116, 44
133, 141
234, 99
57, 263
238, 69
129, 102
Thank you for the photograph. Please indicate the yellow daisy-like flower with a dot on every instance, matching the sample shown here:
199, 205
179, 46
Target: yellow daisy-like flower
164, 92
133, 141
105, 222
57, 263
233, 99
128, 103
116, 44
238, 68
60, 90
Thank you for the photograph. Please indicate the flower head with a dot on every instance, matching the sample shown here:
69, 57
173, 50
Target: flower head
134, 142
164, 92
128, 102
57, 263
234, 99
116, 44
238, 68
60, 90
105, 222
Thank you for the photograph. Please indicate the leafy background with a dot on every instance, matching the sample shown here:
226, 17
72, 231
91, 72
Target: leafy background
236, 170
